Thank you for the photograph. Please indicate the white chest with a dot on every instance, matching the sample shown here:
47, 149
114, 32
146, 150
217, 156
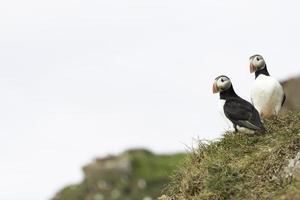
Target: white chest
267, 95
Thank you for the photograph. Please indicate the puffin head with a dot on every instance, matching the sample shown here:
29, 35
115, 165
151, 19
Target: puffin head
257, 63
221, 83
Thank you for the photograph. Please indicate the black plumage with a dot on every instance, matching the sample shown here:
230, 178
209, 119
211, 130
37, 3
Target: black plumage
263, 71
283, 100
239, 111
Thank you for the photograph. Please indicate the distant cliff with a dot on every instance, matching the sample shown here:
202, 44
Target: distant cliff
292, 91
134, 175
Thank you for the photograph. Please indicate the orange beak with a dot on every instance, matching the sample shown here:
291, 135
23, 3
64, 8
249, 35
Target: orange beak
252, 68
215, 88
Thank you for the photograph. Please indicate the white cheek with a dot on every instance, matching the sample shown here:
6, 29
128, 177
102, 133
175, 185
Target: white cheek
258, 64
220, 84
261, 62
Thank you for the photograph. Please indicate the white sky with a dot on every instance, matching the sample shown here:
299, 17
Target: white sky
80, 79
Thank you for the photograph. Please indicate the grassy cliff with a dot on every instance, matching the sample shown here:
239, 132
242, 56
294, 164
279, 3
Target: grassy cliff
134, 175
240, 166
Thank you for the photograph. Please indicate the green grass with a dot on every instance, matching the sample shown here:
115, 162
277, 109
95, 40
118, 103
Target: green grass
154, 169
240, 166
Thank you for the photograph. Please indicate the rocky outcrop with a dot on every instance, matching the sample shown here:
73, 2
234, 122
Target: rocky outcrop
121, 164
292, 91
133, 175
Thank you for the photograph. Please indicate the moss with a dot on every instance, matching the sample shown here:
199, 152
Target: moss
241, 166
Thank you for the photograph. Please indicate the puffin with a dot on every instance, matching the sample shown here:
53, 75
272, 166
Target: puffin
267, 94
240, 113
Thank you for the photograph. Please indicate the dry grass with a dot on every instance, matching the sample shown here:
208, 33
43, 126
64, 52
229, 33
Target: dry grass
242, 166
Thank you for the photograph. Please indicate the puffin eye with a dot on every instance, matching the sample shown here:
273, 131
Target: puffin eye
222, 80
257, 58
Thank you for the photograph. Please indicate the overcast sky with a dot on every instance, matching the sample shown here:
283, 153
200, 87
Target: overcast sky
80, 79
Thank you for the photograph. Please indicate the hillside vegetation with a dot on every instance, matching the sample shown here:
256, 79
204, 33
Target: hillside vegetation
241, 166
134, 175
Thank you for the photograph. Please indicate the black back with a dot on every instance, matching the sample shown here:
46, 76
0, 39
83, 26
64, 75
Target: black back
240, 112
283, 100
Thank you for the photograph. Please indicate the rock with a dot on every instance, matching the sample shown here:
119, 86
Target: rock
291, 88
293, 167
